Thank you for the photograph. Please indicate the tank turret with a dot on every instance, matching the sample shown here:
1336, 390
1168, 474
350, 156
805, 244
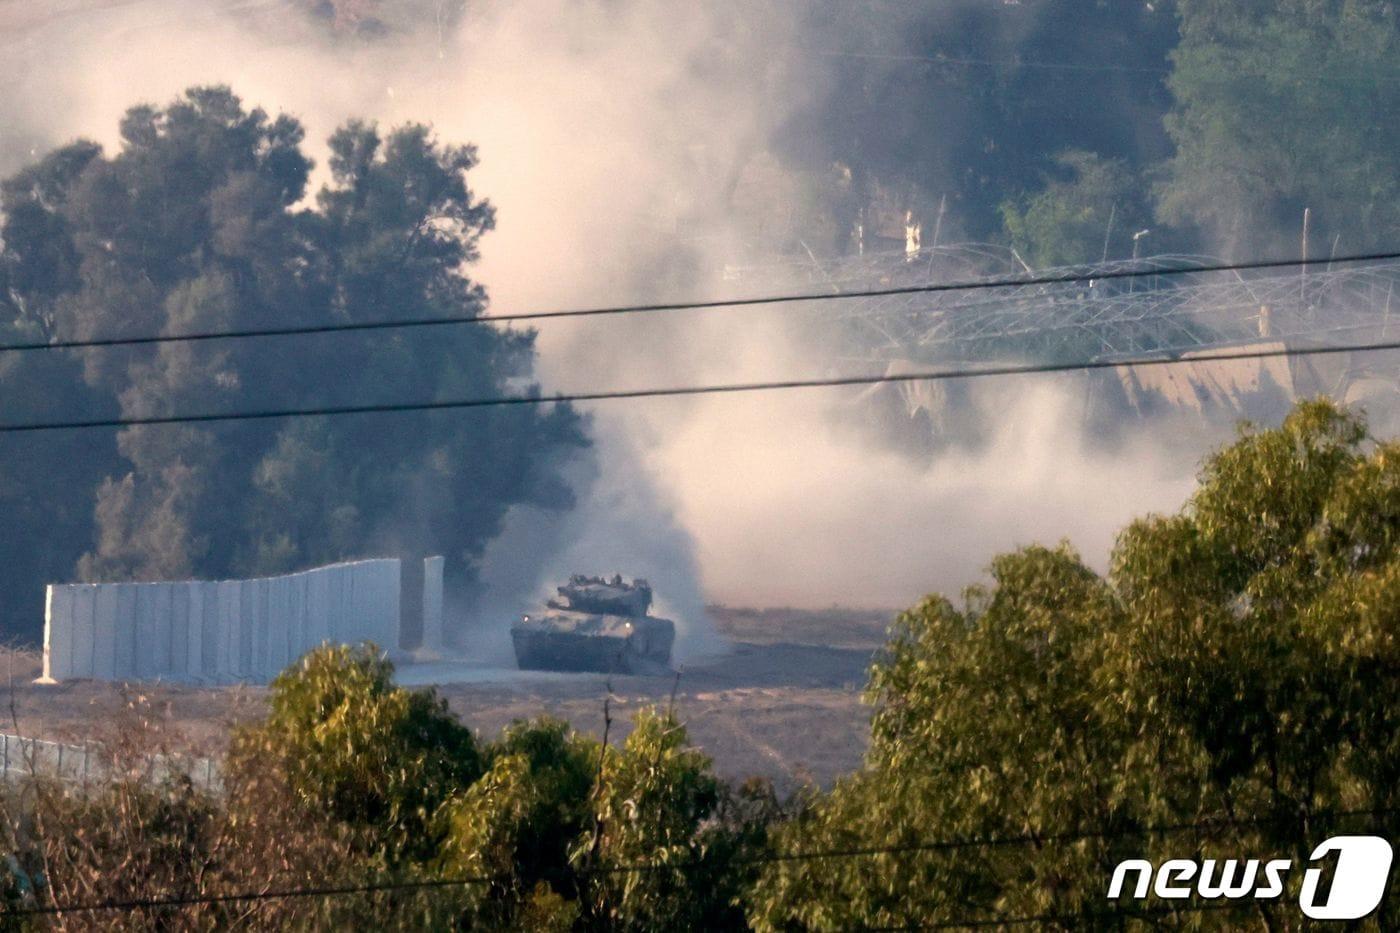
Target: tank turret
608, 597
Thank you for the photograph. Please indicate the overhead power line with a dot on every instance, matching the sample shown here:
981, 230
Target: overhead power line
205, 900
1058, 278
939, 845
935, 375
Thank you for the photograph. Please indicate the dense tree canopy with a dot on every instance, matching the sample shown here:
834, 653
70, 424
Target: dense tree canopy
974, 102
1281, 106
1233, 670
542, 812
361, 751
1228, 116
201, 221
1072, 220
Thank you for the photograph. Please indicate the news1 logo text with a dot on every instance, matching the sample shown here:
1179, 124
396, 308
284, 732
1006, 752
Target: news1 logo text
1345, 878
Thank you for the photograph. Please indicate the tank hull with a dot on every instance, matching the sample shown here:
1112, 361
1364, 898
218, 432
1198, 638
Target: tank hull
567, 641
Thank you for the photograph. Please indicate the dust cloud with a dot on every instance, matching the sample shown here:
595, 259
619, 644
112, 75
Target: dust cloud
609, 136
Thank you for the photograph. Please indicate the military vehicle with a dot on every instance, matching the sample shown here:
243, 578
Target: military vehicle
595, 624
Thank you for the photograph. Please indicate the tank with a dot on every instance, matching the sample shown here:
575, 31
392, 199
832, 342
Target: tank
595, 624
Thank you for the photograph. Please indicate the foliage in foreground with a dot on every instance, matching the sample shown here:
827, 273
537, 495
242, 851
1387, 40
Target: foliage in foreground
359, 750
350, 780
1236, 667
1231, 676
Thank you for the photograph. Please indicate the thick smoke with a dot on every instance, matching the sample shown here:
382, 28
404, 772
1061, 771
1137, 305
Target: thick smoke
610, 136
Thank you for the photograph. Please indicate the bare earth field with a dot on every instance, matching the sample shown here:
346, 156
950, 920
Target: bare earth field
783, 702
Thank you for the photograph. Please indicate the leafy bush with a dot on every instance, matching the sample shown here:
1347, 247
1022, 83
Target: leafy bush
1234, 670
357, 749
655, 795
519, 820
558, 819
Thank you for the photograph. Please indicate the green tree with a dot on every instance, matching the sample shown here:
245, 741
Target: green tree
655, 796
46, 480
353, 747
518, 822
1275, 109
200, 221
558, 819
1082, 217
1231, 672
971, 112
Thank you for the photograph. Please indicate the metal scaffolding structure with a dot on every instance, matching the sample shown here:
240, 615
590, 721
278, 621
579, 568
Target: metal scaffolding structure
1093, 318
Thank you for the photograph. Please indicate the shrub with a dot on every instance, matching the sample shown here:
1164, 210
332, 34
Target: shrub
357, 749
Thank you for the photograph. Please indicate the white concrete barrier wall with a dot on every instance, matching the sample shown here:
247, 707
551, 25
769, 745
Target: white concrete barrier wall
226, 631
432, 604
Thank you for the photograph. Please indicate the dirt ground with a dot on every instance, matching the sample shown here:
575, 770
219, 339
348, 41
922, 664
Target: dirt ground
783, 702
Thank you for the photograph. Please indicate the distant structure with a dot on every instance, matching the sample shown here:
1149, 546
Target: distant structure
227, 631
596, 625
433, 642
880, 226
1094, 313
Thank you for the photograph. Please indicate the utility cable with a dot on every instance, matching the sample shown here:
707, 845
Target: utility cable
935, 375
1058, 278
635, 868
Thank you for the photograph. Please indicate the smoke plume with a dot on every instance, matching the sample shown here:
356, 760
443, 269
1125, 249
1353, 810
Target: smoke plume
611, 135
